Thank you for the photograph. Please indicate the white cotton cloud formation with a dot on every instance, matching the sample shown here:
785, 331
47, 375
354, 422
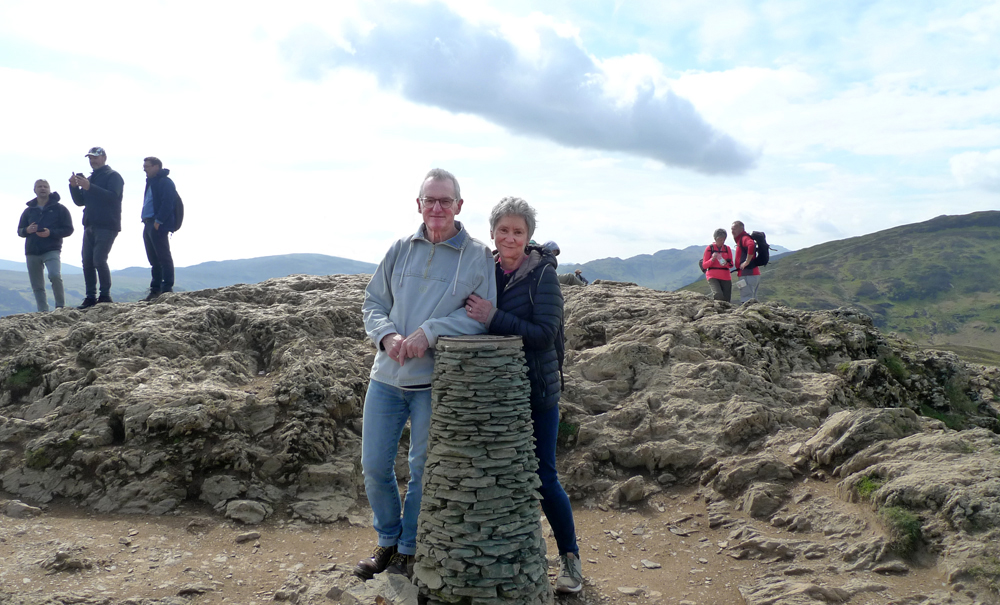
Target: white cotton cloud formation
978, 169
555, 89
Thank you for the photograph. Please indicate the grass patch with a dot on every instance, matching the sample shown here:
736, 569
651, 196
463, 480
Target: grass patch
896, 367
567, 432
867, 486
843, 367
903, 528
987, 571
955, 422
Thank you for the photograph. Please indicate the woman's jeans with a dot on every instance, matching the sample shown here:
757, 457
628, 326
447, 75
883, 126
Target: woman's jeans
37, 264
385, 413
555, 502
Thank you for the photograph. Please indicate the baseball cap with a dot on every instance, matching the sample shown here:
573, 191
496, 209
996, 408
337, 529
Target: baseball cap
95, 151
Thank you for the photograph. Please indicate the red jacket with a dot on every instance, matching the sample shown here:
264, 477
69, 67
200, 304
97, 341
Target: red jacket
715, 269
745, 242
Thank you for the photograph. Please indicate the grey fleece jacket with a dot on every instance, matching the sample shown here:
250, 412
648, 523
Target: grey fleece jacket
424, 285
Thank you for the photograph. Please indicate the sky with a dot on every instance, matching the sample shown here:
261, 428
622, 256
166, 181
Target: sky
631, 127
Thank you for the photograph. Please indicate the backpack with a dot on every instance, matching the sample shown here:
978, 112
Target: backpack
560, 336
762, 252
178, 214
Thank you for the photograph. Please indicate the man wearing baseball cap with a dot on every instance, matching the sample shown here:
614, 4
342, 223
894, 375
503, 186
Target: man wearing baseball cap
101, 198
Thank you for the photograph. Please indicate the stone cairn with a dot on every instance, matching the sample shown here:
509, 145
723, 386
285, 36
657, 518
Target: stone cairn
479, 537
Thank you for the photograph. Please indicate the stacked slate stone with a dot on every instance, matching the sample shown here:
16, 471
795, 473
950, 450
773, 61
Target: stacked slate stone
479, 538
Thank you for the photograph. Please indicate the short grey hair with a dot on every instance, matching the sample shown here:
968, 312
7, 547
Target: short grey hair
513, 206
719, 232
440, 174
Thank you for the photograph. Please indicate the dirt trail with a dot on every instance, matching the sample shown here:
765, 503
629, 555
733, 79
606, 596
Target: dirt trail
196, 553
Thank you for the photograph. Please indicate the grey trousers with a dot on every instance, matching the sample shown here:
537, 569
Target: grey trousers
37, 264
749, 291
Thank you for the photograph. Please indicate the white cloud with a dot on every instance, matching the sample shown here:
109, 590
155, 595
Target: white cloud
434, 56
977, 169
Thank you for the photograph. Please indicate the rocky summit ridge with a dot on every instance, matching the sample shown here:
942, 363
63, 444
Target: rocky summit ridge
249, 398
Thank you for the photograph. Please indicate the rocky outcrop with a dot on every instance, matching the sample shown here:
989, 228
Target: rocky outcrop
249, 398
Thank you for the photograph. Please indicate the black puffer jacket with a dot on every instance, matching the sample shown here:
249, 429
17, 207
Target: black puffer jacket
531, 306
54, 216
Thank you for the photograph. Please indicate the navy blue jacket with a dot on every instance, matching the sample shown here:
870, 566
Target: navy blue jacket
164, 198
530, 305
102, 203
54, 216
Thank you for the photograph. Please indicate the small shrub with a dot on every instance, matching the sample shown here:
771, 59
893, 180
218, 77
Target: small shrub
23, 377
958, 398
37, 459
843, 367
896, 367
903, 527
568, 429
867, 486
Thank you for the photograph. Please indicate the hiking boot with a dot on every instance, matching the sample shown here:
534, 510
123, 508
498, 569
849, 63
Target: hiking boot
153, 295
400, 564
570, 578
104, 298
367, 568
88, 302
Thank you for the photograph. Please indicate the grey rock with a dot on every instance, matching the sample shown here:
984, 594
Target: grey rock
247, 511
19, 510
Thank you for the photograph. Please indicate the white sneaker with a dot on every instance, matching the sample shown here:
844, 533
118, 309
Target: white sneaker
570, 579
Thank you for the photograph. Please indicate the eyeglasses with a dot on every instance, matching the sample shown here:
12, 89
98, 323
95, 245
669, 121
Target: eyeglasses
428, 202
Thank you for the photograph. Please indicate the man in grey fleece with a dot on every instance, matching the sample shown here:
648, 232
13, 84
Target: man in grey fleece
416, 295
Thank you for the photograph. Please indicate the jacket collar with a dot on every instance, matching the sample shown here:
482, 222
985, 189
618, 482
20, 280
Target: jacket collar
537, 256
458, 241
53, 199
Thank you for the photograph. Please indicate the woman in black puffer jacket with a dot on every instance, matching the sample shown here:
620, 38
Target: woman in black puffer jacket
530, 305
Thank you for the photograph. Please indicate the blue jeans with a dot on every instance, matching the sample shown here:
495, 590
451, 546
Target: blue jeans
157, 242
37, 263
385, 413
97, 244
555, 502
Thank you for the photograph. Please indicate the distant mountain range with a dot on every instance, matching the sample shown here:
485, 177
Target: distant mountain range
664, 270
934, 282
132, 283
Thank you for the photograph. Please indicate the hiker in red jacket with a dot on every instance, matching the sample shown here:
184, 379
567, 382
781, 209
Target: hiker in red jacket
717, 262
748, 272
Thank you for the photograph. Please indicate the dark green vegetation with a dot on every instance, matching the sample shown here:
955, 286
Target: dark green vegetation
903, 528
131, 284
935, 282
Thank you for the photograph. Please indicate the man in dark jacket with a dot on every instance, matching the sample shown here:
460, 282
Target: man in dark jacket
43, 225
101, 198
158, 213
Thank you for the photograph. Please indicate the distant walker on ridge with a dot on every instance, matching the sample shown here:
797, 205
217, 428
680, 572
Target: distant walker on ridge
44, 224
159, 205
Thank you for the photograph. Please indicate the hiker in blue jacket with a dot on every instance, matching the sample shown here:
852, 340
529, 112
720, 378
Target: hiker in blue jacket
159, 203
43, 225
530, 305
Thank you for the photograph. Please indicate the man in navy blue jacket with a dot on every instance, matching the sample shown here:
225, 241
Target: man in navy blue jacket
101, 198
159, 205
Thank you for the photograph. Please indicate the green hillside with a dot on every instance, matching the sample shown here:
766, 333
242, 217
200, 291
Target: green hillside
934, 282
131, 284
